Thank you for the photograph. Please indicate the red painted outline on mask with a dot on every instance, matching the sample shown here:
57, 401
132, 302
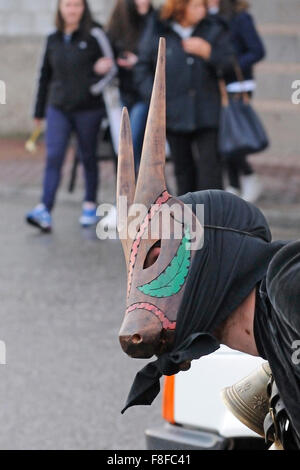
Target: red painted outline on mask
162, 199
166, 323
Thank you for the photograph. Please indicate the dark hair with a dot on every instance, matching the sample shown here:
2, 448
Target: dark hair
125, 25
229, 8
86, 21
175, 9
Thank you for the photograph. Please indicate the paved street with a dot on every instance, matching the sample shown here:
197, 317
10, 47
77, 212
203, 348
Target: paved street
62, 303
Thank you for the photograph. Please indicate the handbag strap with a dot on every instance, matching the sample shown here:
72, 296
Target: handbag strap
223, 89
240, 76
223, 92
238, 71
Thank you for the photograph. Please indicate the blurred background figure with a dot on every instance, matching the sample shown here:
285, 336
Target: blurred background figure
125, 29
197, 48
249, 50
76, 54
213, 6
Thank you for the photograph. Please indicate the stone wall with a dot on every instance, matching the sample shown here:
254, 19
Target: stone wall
35, 17
23, 26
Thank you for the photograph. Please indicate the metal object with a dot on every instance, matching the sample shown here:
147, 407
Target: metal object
248, 399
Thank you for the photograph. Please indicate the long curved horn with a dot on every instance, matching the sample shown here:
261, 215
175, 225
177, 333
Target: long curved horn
151, 179
125, 180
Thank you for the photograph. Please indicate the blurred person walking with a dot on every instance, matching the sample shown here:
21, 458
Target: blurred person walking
197, 49
125, 29
76, 54
249, 50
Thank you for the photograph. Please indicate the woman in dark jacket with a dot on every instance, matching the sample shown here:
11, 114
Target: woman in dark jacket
249, 50
76, 58
197, 48
125, 29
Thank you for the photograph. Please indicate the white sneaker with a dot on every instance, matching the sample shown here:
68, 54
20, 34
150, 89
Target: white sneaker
251, 188
233, 190
110, 220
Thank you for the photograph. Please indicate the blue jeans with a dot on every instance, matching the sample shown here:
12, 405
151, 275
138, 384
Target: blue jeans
60, 125
138, 117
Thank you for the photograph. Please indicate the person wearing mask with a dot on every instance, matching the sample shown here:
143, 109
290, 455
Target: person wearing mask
125, 29
197, 49
249, 50
77, 56
231, 286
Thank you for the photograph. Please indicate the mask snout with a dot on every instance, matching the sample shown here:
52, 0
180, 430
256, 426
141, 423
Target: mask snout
140, 334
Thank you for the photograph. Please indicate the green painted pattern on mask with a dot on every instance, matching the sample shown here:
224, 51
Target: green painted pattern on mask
170, 281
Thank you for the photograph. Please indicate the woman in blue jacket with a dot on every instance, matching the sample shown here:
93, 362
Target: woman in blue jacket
249, 50
77, 57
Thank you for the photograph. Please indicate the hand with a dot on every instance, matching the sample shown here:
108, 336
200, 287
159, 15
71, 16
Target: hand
37, 123
197, 46
103, 65
186, 365
128, 61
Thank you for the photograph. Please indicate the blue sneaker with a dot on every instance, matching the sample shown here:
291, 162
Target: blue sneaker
40, 217
88, 217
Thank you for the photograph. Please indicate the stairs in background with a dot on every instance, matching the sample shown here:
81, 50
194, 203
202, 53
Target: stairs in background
278, 22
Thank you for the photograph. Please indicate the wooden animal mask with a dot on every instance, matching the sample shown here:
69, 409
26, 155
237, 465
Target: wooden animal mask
158, 263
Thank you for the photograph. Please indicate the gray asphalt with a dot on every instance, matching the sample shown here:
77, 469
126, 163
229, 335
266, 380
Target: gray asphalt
62, 303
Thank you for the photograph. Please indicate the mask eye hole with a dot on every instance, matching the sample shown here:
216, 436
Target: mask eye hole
152, 255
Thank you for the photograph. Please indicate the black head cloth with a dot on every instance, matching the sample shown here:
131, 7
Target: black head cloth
235, 257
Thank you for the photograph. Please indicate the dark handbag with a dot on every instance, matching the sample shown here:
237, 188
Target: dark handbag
240, 131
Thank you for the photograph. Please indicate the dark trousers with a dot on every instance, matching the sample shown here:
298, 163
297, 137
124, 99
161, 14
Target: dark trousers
237, 167
196, 160
60, 125
138, 113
